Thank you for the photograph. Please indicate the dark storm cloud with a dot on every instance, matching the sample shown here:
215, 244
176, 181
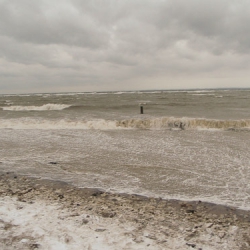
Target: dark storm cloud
107, 43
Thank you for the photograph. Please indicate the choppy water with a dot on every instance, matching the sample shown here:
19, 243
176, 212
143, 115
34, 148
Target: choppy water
186, 145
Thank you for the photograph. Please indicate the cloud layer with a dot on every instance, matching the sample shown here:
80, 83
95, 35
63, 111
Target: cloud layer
74, 45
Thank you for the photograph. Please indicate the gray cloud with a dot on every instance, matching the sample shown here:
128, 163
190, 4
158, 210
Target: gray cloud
46, 22
105, 45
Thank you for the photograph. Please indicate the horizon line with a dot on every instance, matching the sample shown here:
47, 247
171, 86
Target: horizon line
140, 90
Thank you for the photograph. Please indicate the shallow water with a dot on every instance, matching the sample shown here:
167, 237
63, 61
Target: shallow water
97, 141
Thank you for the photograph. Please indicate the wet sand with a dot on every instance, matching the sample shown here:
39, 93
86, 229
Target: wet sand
112, 221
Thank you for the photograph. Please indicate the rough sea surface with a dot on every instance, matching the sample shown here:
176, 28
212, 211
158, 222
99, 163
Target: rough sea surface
190, 145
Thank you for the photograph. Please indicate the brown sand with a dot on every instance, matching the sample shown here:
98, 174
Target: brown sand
199, 225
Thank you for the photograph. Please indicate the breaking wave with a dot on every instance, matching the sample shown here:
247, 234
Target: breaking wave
31, 123
101, 124
44, 107
184, 123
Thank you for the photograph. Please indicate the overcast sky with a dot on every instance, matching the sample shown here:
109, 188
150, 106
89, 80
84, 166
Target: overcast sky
98, 45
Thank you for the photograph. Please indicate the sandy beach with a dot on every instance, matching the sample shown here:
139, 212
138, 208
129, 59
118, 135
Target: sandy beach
124, 125
44, 214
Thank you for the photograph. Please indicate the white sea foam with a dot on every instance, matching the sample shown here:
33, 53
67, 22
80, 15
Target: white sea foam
183, 123
172, 123
200, 91
55, 228
153, 92
50, 226
44, 107
8, 102
201, 94
32, 123
119, 93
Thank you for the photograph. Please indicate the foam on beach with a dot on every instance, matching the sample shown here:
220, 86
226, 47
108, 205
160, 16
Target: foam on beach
53, 216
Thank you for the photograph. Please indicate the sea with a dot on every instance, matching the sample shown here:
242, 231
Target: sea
187, 144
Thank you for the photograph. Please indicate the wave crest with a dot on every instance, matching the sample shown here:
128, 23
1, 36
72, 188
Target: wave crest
183, 123
101, 124
31, 123
44, 107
